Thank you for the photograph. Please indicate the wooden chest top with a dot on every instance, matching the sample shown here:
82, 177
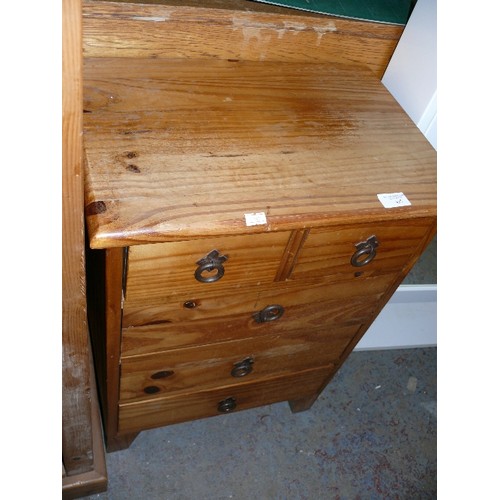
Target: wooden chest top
177, 149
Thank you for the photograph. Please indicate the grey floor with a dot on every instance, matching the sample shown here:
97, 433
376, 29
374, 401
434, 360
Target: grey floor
370, 435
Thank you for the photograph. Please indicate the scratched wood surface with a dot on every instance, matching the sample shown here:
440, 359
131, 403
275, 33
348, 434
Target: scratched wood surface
179, 149
227, 29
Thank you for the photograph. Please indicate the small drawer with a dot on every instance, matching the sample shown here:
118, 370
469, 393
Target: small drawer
207, 265
360, 251
232, 317
139, 415
227, 363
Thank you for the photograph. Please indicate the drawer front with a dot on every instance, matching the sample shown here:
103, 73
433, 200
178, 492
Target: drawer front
136, 416
217, 319
228, 363
179, 307
360, 251
160, 270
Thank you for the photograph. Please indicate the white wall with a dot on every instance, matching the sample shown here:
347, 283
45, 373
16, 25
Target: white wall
411, 76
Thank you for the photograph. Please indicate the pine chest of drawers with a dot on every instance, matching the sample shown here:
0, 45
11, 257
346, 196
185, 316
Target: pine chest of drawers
240, 248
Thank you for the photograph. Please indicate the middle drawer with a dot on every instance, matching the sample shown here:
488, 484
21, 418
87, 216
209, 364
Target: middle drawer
218, 318
227, 363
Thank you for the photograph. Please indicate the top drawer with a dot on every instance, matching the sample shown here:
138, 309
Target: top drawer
158, 270
360, 250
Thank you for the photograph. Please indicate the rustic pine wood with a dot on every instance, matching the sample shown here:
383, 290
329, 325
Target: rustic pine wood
227, 30
105, 283
302, 404
77, 443
95, 480
329, 313
306, 144
392, 288
163, 274
120, 441
196, 114
227, 317
157, 270
113, 297
136, 416
297, 239
209, 366
328, 251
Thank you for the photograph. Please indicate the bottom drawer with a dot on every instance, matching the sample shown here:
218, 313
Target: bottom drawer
137, 416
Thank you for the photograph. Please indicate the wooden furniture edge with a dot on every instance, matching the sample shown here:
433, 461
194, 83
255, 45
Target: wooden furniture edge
114, 266
77, 439
131, 213
163, 30
96, 480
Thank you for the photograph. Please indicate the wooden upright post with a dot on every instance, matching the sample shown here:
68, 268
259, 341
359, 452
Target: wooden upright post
79, 400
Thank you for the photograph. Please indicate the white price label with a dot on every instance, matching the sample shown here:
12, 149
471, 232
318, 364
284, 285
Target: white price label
255, 219
392, 200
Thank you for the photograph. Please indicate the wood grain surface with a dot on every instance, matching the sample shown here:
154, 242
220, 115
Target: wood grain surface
210, 366
233, 30
230, 316
169, 268
139, 415
328, 251
77, 438
180, 149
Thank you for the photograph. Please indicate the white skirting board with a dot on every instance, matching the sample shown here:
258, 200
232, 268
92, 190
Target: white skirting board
409, 319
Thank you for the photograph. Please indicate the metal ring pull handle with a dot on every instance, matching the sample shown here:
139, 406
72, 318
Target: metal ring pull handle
269, 313
212, 262
366, 251
226, 405
242, 368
